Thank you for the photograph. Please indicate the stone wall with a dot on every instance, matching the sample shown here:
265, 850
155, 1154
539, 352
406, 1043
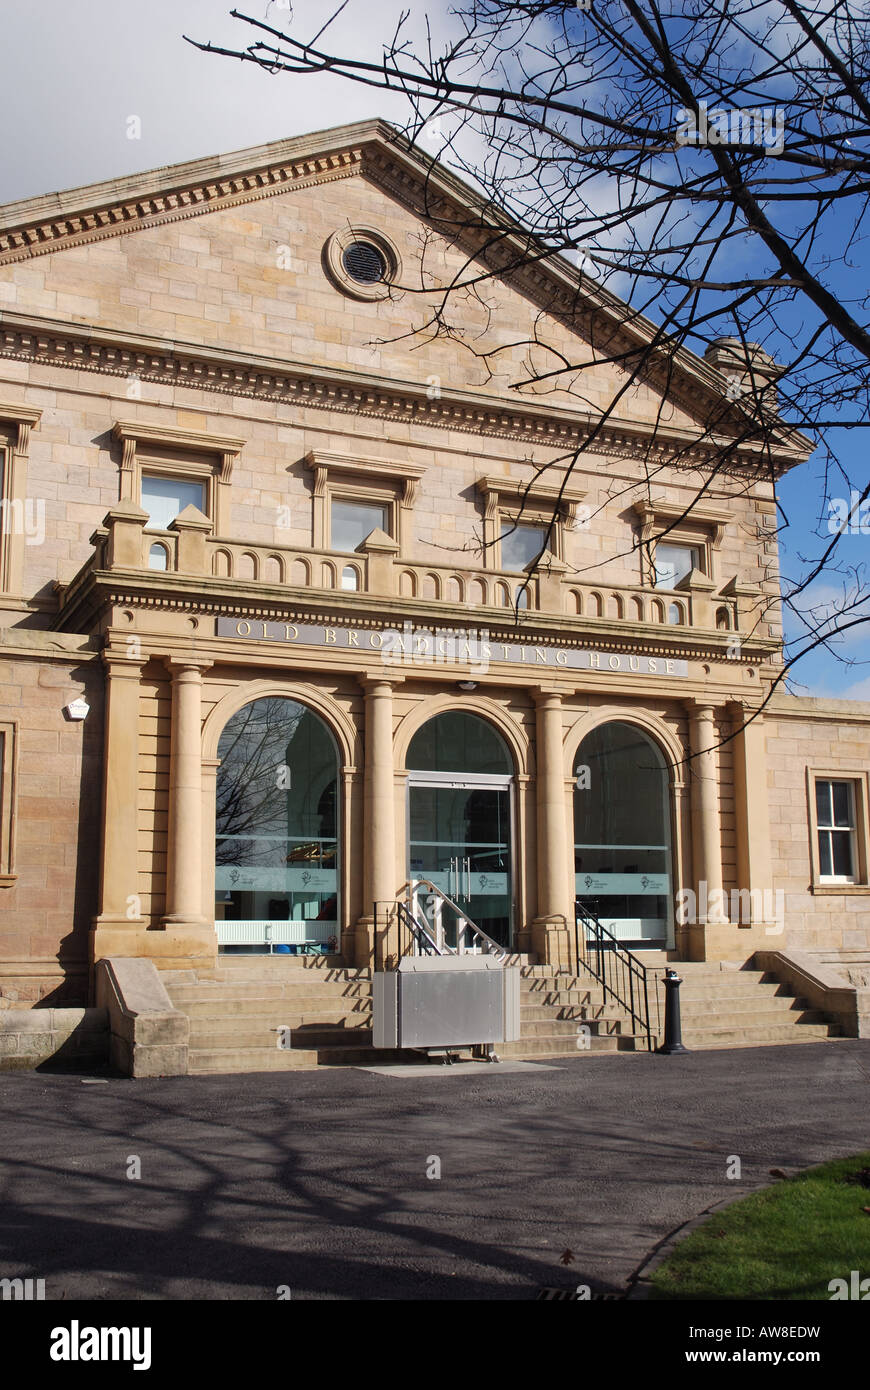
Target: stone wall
30, 1038
831, 736
45, 913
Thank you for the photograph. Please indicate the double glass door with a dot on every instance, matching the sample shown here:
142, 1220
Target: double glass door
460, 839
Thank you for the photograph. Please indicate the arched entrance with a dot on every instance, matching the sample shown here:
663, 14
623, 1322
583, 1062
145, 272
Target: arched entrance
622, 834
460, 817
276, 831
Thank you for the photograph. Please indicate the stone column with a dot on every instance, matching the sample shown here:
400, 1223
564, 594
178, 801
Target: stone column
380, 879
184, 850
706, 827
752, 817
550, 930
120, 910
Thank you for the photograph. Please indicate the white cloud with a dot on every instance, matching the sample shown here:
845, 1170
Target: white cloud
81, 70
860, 690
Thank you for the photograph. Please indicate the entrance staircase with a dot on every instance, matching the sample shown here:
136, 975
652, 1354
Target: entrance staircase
237, 1009
722, 1005
254, 1013
562, 1015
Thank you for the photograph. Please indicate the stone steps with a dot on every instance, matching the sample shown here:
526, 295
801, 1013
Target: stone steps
212, 992
700, 1039
562, 996
224, 1061
227, 1060
601, 1027
284, 967
560, 1045
580, 1012
273, 1019
748, 1010
233, 1008
274, 975
236, 1010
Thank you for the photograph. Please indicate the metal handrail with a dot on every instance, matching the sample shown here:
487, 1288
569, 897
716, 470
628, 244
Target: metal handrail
618, 971
407, 920
491, 947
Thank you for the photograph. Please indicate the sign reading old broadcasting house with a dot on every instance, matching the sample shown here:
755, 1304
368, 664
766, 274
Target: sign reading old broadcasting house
285, 630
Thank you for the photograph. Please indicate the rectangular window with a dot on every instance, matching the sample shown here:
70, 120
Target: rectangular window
673, 563
836, 825
164, 496
353, 522
520, 545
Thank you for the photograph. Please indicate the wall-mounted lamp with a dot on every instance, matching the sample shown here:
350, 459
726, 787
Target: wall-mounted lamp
468, 685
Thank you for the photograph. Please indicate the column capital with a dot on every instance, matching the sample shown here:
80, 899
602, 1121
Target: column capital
176, 665
542, 695
741, 708
373, 684
701, 707
119, 663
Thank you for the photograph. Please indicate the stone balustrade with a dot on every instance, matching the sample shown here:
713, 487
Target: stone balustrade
188, 547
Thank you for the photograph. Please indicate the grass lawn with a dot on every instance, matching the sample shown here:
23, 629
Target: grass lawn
786, 1242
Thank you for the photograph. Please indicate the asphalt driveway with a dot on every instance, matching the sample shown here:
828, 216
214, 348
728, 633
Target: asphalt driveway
324, 1183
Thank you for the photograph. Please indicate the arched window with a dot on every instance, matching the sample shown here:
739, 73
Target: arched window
459, 742
622, 832
157, 557
349, 577
276, 842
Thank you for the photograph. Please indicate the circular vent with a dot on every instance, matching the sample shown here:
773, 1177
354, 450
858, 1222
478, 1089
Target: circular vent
364, 263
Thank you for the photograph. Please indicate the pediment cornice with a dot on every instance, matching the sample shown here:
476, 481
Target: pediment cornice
33, 339
114, 216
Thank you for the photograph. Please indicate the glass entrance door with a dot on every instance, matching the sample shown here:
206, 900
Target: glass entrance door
460, 839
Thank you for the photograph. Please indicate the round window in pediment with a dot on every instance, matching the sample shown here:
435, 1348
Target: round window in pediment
362, 262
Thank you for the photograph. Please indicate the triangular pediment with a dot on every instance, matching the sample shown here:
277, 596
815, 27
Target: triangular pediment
186, 193
379, 540
192, 518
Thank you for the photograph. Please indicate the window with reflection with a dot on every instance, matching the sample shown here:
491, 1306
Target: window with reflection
459, 742
520, 544
165, 496
622, 832
835, 821
673, 563
276, 842
353, 522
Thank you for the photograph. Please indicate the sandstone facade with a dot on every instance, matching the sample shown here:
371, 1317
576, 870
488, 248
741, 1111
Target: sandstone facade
186, 325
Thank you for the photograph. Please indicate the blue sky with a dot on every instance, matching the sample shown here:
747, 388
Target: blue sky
82, 70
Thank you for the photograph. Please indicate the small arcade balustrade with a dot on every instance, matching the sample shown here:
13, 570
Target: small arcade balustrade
188, 549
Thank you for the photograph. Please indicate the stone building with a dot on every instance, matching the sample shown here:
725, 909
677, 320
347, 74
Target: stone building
297, 604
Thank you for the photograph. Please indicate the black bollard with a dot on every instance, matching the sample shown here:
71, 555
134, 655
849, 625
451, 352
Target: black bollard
673, 1042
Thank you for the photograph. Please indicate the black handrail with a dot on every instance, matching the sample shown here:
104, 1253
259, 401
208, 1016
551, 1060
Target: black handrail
409, 933
617, 969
